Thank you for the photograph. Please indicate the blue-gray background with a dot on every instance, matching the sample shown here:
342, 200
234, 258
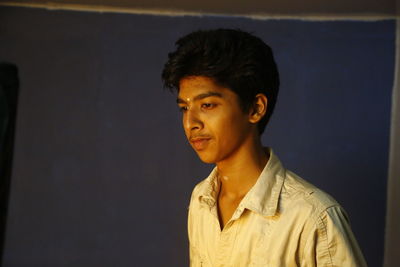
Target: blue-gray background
102, 173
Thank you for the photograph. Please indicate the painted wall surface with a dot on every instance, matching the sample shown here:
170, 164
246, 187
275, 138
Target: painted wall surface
253, 7
102, 173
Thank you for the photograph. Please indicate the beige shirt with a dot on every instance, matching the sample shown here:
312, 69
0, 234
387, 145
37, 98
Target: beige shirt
282, 221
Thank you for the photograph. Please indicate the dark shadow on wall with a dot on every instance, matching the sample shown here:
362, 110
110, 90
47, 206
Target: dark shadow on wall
9, 85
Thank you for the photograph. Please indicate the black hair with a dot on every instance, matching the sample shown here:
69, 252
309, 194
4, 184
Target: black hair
233, 58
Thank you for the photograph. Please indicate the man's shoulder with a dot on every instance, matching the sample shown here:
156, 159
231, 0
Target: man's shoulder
299, 192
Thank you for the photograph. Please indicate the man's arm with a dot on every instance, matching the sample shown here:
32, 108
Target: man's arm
332, 243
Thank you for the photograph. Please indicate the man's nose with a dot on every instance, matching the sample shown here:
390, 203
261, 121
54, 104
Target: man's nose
191, 120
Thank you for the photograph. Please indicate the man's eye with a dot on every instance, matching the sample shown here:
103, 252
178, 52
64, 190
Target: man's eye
183, 108
208, 105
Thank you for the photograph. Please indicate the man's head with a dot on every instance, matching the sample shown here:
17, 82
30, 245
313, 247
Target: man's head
232, 59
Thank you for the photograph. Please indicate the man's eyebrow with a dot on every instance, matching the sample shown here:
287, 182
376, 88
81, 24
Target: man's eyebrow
199, 97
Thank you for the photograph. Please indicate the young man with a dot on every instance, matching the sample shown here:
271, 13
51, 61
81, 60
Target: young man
250, 211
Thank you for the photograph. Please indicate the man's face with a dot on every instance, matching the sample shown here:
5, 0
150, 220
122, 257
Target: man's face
213, 120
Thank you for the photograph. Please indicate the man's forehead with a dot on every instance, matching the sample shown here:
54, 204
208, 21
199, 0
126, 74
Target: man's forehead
198, 83
193, 88
199, 96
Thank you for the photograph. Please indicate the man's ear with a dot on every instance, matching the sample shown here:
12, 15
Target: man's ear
258, 109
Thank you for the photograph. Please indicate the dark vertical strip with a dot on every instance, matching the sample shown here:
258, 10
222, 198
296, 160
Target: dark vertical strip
8, 108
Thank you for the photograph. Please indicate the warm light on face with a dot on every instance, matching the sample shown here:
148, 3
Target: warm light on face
213, 120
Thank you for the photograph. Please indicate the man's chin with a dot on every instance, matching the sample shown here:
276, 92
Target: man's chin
206, 158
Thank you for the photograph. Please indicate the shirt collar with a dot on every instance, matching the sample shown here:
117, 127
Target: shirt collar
262, 198
209, 189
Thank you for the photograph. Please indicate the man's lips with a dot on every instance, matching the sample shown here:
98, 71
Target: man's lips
199, 143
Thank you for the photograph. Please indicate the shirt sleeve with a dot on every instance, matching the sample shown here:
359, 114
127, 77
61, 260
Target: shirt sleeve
332, 243
193, 254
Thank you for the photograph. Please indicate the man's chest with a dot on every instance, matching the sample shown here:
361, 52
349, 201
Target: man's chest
249, 240
226, 208
240, 243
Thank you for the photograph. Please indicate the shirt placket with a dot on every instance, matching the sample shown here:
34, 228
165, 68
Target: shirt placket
226, 244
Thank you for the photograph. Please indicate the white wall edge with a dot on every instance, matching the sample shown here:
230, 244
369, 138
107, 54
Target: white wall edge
392, 233
179, 13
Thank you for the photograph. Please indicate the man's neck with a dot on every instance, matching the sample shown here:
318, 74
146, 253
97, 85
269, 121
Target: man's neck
241, 171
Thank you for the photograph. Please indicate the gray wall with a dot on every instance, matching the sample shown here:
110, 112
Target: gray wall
255, 7
102, 173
